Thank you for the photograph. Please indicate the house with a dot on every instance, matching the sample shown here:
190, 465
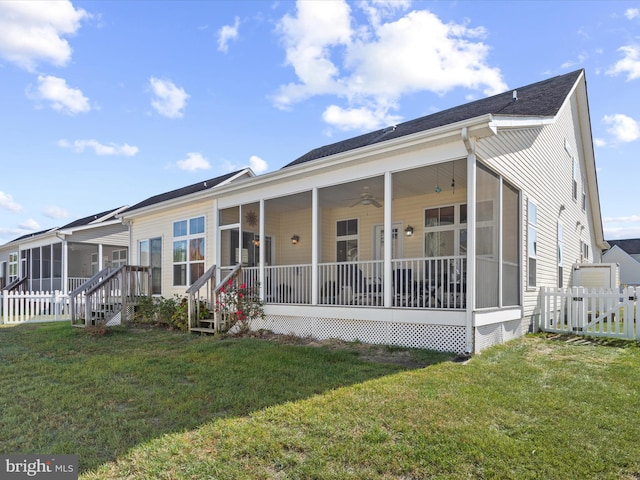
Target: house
63, 258
626, 253
434, 233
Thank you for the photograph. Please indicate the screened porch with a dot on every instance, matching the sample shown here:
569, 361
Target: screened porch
328, 246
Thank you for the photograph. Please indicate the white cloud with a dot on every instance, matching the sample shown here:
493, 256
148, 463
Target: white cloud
599, 142
79, 146
357, 118
257, 164
61, 97
169, 99
194, 161
51, 211
630, 63
7, 203
632, 13
227, 33
30, 224
32, 32
622, 127
371, 66
621, 227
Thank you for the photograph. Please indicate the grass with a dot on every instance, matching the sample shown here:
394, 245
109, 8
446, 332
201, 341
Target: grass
152, 404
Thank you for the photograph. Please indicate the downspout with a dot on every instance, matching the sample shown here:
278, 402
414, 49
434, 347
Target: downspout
469, 145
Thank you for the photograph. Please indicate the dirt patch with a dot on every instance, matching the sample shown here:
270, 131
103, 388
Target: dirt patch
405, 357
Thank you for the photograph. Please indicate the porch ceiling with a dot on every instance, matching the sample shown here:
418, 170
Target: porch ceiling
405, 184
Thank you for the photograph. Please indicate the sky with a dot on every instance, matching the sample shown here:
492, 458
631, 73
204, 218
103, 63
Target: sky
106, 103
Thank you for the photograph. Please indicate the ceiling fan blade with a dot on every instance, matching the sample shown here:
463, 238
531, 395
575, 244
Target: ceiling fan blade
356, 204
376, 203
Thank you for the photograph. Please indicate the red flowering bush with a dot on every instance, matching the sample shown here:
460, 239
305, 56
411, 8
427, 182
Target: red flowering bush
239, 305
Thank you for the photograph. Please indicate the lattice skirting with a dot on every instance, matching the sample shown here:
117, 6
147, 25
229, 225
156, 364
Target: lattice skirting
445, 338
487, 335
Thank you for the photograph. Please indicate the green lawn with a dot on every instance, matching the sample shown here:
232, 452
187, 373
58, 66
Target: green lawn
156, 404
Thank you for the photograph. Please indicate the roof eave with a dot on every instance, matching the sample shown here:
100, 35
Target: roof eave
185, 199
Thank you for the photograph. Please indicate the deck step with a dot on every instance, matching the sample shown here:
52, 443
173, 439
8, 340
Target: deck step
203, 330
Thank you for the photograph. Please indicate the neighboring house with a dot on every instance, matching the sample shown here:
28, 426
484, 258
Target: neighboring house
626, 253
434, 233
63, 258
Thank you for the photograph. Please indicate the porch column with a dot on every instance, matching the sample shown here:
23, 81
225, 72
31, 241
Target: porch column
388, 234
315, 246
100, 265
65, 267
471, 243
216, 241
263, 246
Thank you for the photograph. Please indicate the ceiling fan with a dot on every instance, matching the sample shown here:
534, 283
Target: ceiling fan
367, 198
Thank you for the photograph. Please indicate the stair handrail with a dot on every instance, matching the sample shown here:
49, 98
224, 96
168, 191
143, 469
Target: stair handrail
18, 282
198, 284
88, 283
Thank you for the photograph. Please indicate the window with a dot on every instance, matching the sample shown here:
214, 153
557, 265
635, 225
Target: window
188, 251
347, 240
441, 230
13, 266
119, 258
532, 243
560, 255
576, 175
584, 251
150, 255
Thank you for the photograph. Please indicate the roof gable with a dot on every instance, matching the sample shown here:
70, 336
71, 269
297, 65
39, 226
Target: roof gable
630, 246
541, 99
93, 219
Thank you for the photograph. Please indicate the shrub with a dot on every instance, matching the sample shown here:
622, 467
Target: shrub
239, 305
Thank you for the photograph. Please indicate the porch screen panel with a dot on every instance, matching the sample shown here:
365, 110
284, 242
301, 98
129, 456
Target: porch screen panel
35, 269
487, 265
510, 245
57, 266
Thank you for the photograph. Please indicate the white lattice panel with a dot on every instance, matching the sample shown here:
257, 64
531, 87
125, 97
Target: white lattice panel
434, 337
488, 335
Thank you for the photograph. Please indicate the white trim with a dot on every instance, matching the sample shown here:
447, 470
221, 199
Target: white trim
493, 316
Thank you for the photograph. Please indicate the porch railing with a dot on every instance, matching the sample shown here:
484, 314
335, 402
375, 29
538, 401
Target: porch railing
18, 285
415, 283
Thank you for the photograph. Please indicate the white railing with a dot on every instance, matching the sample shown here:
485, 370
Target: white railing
19, 307
415, 283
438, 282
76, 282
351, 283
593, 312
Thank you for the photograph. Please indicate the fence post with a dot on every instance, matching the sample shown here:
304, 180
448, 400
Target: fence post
3, 319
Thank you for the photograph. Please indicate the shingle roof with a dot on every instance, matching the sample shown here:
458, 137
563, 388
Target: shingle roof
631, 245
181, 192
31, 235
91, 218
541, 99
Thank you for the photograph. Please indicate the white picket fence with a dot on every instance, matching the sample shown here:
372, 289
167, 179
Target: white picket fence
21, 307
592, 312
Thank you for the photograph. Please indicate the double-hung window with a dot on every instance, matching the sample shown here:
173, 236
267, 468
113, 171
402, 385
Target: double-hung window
347, 240
188, 250
13, 266
532, 243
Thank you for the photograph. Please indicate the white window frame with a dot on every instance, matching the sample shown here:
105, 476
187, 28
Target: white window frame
458, 227
348, 238
187, 238
532, 243
560, 255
